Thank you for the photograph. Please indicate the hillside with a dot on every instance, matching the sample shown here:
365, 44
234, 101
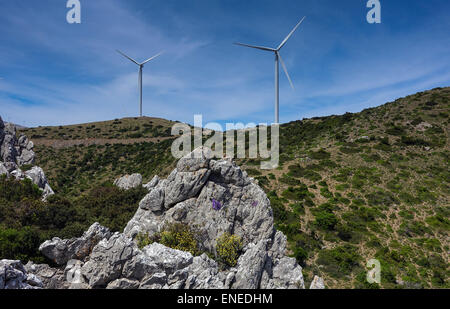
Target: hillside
78, 157
349, 188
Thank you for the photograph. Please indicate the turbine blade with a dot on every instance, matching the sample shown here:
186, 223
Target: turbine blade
257, 47
150, 59
285, 70
129, 58
291, 33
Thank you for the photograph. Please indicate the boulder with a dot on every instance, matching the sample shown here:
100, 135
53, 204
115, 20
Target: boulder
128, 182
181, 185
152, 183
107, 260
13, 276
250, 266
317, 284
196, 160
37, 176
51, 278
167, 259
61, 251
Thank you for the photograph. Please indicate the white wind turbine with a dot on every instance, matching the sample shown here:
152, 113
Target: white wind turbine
276, 51
141, 66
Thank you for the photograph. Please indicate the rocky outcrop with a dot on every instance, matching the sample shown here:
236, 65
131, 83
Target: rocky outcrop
51, 278
13, 275
61, 251
128, 182
37, 176
16, 152
216, 197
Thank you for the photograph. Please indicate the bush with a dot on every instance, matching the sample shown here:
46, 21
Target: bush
228, 248
301, 255
177, 236
325, 220
341, 261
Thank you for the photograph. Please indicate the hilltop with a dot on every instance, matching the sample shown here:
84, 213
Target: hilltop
349, 188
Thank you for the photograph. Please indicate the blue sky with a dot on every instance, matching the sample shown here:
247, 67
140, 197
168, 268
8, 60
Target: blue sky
53, 73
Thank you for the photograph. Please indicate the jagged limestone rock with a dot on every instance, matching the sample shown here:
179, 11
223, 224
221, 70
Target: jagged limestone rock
107, 260
61, 251
14, 276
152, 183
128, 182
240, 208
51, 278
13, 150
250, 266
317, 284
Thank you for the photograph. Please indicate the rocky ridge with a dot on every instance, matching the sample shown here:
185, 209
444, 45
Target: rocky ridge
215, 196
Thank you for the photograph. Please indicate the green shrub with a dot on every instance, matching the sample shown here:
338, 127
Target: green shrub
325, 220
340, 261
228, 248
177, 236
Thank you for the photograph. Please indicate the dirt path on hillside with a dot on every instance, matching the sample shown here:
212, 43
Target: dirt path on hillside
60, 143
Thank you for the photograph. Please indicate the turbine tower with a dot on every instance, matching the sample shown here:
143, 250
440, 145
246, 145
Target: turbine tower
278, 59
141, 66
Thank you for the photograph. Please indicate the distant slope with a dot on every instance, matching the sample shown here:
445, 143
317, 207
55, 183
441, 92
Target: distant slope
78, 157
350, 188
369, 185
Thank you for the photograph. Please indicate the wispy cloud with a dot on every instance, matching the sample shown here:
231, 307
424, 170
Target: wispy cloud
56, 73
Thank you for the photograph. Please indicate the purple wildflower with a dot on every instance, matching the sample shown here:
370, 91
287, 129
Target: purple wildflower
255, 203
216, 205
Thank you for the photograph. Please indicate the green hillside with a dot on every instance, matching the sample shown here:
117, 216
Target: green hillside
349, 188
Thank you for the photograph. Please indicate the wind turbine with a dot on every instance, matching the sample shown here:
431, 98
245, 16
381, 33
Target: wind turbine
278, 58
141, 66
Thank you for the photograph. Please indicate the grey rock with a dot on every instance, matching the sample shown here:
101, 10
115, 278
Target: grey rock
3, 170
26, 157
18, 174
37, 176
226, 171
181, 186
123, 284
287, 274
139, 266
153, 183
8, 149
317, 284
155, 281
108, 259
51, 278
203, 274
72, 274
128, 182
167, 259
115, 261
196, 160
61, 251
250, 266
10, 166
13, 276
154, 200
